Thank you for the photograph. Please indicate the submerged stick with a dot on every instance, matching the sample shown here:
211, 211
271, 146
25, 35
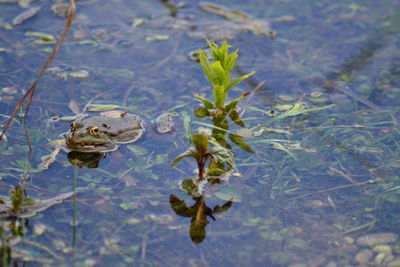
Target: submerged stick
30, 93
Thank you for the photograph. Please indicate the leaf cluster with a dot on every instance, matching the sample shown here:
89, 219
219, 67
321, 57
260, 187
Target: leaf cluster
218, 73
201, 151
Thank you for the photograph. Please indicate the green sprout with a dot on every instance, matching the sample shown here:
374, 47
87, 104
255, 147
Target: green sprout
219, 74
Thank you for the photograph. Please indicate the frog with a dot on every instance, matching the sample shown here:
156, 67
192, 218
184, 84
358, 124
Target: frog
103, 133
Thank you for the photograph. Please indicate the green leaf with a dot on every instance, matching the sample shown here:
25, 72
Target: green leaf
83, 74
223, 54
200, 141
99, 107
233, 103
202, 112
206, 66
232, 60
238, 80
238, 140
234, 115
188, 153
219, 73
128, 206
190, 186
214, 48
221, 155
208, 104
42, 36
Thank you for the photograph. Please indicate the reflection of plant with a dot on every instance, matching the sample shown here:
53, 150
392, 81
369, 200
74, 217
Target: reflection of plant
202, 152
12, 223
13, 217
198, 212
18, 199
219, 75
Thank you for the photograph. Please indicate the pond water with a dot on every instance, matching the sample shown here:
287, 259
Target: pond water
316, 183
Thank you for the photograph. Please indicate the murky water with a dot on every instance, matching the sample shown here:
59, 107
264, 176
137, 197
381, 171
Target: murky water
316, 181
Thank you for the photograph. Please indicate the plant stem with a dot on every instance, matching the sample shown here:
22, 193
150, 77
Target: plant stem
201, 164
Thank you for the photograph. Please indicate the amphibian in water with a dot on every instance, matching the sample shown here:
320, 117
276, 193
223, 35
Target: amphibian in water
102, 134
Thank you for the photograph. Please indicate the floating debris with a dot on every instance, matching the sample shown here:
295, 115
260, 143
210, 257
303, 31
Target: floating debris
138, 21
101, 107
42, 36
9, 90
284, 107
25, 15
82, 74
23, 3
60, 9
286, 98
157, 37
165, 122
49, 159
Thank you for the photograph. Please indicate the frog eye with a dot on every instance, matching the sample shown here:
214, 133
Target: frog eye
73, 126
94, 131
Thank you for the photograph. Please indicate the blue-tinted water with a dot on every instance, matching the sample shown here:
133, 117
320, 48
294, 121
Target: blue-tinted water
313, 179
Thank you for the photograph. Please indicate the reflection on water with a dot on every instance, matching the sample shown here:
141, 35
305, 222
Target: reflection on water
85, 160
198, 212
302, 196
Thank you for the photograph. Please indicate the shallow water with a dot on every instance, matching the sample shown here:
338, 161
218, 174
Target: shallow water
313, 179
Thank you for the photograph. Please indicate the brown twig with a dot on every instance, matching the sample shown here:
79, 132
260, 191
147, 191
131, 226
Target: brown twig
30, 93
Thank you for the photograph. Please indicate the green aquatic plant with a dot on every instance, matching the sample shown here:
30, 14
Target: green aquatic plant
218, 73
202, 152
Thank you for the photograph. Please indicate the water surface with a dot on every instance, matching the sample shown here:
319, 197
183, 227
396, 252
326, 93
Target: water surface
312, 180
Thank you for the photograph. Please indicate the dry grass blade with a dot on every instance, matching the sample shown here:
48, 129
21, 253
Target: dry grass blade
30, 93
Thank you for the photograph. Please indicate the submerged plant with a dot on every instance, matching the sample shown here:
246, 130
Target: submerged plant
202, 152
